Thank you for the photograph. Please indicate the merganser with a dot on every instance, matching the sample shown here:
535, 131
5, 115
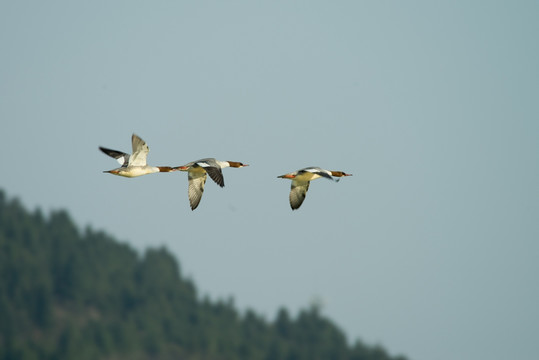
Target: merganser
197, 171
301, 180
135, 164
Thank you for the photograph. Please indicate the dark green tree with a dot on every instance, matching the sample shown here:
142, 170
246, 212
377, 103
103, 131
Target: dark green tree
71, 294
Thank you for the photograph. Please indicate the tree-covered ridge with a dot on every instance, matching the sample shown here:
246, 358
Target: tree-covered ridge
67, 294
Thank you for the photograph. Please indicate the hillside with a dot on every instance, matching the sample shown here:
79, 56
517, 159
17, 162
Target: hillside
72, 294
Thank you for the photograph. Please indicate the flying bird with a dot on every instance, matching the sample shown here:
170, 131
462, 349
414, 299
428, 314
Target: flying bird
135, 164
197, 171
301, 180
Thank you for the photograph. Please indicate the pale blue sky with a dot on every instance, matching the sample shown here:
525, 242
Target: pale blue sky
430, 249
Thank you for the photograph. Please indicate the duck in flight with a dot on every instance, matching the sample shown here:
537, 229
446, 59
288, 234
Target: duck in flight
135, 164
197, 171
301, 180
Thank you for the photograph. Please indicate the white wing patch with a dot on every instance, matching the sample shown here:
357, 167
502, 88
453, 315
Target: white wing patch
203, 164
122, 159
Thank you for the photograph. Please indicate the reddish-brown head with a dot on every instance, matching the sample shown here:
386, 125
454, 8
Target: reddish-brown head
237, 164
340, 173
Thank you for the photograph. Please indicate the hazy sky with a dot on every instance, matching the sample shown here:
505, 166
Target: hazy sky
430, 249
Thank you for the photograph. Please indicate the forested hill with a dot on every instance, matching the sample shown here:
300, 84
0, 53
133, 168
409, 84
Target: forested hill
72, 294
